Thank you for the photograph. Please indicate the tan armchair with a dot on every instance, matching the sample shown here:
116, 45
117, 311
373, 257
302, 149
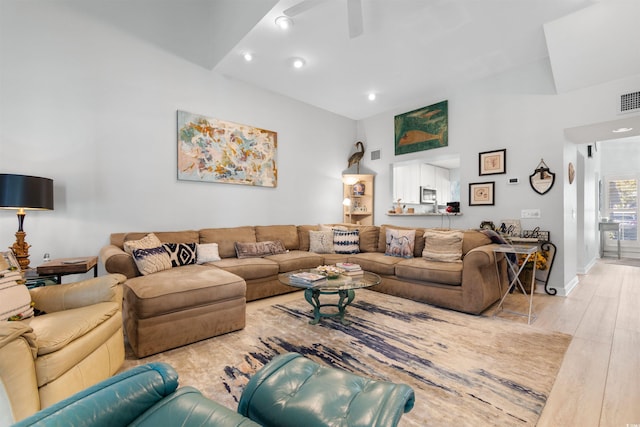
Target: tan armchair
77, 343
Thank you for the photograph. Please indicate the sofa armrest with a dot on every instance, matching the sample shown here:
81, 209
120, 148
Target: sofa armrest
79, 294
116, 260
483, 277
17, 368
117, 401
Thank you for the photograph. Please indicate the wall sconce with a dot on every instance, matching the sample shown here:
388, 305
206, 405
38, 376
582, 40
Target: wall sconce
23, 192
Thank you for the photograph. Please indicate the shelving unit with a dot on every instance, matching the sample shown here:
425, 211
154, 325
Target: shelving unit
359, 208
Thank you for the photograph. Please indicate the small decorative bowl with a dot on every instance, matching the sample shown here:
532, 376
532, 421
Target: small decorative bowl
331, 271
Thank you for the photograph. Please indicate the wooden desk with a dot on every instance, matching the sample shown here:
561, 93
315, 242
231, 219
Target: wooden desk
63, 266
608, 227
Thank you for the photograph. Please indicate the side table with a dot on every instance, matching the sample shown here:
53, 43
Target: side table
530, 255
63, 266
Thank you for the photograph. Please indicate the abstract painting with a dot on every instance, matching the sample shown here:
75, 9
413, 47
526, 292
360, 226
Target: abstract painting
214, 150
422, 129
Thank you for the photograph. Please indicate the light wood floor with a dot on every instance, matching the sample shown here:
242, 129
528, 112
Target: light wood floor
599, 381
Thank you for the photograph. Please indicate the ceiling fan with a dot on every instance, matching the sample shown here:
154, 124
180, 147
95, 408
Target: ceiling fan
354, 13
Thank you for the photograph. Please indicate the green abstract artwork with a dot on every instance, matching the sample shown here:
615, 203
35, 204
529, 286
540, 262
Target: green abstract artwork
422, 129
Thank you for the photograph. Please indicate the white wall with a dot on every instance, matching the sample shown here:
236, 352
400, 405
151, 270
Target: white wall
95, 109
520, 111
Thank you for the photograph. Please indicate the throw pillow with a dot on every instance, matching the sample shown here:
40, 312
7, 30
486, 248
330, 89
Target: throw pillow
400, 243
443, 245
15, 300
149, 241
181, 253
346, 242
259, 249
207, 252
321, 242
151, 260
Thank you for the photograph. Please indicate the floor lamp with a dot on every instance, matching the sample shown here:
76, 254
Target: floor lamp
21, 193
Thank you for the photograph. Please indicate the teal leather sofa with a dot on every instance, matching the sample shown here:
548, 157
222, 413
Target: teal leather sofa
289, 391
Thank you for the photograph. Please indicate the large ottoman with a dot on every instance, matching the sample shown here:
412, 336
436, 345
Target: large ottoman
179, 306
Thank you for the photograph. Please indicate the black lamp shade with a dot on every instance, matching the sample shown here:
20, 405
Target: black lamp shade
25, 192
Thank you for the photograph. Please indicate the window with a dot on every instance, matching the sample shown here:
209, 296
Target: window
622, 206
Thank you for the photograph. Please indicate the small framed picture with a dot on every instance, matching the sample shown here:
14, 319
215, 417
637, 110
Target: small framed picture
482, 194
493, 162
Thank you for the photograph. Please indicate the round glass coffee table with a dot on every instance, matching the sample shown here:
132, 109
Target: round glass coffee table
344, 286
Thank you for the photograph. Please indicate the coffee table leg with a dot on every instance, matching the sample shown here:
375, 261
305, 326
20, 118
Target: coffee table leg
313, 297
342, 305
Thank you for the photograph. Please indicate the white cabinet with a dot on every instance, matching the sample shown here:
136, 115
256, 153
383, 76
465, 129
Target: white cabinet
406, 183
408, 178
442, 185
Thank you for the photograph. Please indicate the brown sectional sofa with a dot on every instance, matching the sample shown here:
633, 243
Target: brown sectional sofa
174, 307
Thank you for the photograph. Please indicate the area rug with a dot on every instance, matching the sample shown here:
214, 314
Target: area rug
464, 369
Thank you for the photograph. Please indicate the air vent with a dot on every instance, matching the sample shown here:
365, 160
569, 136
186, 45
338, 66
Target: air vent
630, 102
375, 155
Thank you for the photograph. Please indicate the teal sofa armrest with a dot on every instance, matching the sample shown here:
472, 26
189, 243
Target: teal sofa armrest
117, 401
188, 407
292, 390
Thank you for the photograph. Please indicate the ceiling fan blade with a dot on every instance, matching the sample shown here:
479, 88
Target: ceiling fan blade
354, 14
303, 6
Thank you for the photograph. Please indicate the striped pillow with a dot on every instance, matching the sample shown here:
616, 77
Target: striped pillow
346, 242
443, 245
15, 300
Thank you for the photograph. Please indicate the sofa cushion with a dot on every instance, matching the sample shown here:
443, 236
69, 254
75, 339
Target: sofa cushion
179, 289
151, 260
303, 235
418, 245
287, 234
473, 239
226, 238
369, 235
56, 330
259, 249
400, 243
296, 260
321, 242
443, 245
449, 273
346, 242
181, 253
187, 236
249, 268
376, 262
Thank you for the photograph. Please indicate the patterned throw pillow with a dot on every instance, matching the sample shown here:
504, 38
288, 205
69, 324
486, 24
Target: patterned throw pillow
346, 242
443, 245
400, 243
207, 252
321, 242
149, 241
181, 253
15, 300
151, 260
259, 249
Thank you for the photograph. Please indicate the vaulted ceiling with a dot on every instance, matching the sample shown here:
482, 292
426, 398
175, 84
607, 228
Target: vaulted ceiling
409, 50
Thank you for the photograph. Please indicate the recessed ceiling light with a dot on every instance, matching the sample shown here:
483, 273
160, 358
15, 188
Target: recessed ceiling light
298, 62
284, 22
622, 130
371, 96
248, 56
